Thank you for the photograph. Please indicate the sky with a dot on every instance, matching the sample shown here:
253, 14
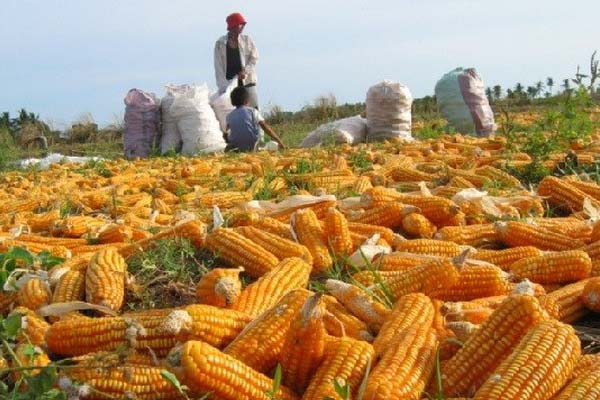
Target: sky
63, 59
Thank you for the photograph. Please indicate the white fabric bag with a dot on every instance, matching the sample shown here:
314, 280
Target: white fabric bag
389, 112
196, 121
350, 130
221, 104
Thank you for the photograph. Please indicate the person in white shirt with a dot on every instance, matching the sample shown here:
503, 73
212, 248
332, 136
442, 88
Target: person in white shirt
236, 58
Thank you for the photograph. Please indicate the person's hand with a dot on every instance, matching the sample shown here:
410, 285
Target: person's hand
242, 75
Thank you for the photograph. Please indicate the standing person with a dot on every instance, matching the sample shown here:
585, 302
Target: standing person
244, 124
236, 57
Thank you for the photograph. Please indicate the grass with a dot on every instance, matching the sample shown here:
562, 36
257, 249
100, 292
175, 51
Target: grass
165, 275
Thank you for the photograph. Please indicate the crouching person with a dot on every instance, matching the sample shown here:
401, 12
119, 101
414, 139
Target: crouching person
244, 123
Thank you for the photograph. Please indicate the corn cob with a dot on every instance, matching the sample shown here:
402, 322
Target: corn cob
557, 267
568, 226
261, 343
304, 345
460, 182
6, 301
405, 174
362, 183
289, 274
70, 287
405, 367
238, 250
497, 175
389, 215
42, 222
33, 327
436, 209
590, 188
425, 278
309, 233
466, 311
505, 258
429, 246
194, 231
585, 363
345, 361
196, 366
263, 223
75, 226
111, 377
69, 243
223, 199
515, 233
591, 294
78, 335
21, 205
114, 233
337, 233
584, 387
464, 373
470, 235
219, 287
370, 230
566, 304
278, 246
358, 303
213, 325
475, 281
554, 349
475, 179
105, 279
401, 261
414, 309
562, 193
418, 226
25, 357
340, 322
34, 294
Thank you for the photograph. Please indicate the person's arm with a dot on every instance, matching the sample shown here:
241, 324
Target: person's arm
226, 134
251, 58
220, 67
271, 133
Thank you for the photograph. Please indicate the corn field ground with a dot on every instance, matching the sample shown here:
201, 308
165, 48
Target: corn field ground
450, 267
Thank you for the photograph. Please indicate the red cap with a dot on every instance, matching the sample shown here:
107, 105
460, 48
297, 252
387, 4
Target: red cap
234, 20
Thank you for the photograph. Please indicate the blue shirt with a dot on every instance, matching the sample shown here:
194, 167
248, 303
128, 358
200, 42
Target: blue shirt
244, 129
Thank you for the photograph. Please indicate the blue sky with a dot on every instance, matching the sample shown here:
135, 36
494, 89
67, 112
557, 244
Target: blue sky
64, 58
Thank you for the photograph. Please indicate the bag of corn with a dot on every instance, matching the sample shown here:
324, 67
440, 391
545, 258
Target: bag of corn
461, 99
389, 112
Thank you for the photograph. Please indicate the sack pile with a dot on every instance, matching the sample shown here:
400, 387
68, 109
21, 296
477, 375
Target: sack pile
461, 99
141, 123
350, 130
196, 123
389, 112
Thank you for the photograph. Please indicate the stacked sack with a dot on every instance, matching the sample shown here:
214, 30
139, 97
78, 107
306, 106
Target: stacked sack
389, 112
461, 99
141, 123
190, 122
352, 130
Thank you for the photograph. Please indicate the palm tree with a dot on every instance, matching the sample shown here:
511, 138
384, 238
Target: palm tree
566, 85
549, 84
519, 89
531, 92
539, 86
497, 92
510, 93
